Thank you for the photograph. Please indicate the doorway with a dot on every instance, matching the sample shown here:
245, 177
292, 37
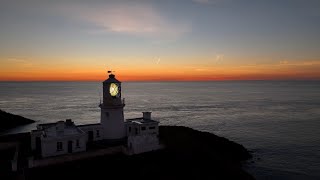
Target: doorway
90, 136
38, 146
69, 146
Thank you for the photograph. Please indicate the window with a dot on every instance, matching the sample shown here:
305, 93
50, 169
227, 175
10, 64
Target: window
59, 146
152, 127
129, 129
143, 128
98, 133
77, 143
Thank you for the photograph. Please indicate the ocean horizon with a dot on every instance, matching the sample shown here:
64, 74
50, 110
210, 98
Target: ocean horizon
277, 120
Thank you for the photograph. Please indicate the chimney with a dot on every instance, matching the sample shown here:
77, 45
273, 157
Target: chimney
69, 122
146, 115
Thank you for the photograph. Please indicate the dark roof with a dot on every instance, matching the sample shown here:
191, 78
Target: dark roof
141, 120
45, 125
111, 79
88, 125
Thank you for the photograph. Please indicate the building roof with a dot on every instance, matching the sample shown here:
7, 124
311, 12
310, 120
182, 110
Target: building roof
141, 120
67, 131
59, 129
111, 79
46, 125
85, 125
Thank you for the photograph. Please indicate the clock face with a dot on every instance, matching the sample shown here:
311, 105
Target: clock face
114, 89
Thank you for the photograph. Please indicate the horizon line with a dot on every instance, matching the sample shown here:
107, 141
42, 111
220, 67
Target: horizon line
216, 80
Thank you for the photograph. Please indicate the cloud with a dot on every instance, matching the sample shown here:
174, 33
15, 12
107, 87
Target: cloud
201, 69
20, 62
202, 1
206, 2
212, 2
219, 57
16, 60
158, 61
135, 19
299, 63
284, 62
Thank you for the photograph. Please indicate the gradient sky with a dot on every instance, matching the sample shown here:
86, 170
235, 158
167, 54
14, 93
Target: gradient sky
159, 39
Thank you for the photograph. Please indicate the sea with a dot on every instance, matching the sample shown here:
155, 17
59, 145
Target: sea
278, 121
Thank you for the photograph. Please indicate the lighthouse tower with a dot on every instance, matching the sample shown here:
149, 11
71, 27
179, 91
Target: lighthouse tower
112, 118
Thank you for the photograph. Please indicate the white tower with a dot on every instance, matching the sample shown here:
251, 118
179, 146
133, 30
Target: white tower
112, 118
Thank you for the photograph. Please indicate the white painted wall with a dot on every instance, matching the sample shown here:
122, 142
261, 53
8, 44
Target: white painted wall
131, 129
34, 135
49, 146
112, 120
94, 129
148, 129
143, 143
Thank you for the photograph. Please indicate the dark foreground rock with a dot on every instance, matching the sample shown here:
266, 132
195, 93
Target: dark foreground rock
8, 121
190, 154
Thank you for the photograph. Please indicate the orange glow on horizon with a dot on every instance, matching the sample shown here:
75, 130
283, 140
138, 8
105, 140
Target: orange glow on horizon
145, 76
165, 72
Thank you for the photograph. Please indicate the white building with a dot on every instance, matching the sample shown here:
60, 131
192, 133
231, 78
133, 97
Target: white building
58, 138
140, 134
94, 132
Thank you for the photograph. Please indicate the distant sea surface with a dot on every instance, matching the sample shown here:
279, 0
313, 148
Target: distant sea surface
279, 121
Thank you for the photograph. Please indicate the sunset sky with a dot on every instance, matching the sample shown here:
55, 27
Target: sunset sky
159, 39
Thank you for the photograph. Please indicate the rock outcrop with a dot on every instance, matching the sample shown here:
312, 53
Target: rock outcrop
8, 120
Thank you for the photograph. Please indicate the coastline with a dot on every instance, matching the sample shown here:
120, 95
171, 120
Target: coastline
187, 153
10, 121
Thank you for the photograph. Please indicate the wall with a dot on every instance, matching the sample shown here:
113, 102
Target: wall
143, 143
112, 121
49, 146
34, 134
148, 130
93, 128
140, 129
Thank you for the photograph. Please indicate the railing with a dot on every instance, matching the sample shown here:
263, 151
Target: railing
115, 103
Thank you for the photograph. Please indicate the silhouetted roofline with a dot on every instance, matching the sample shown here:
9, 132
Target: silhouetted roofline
82, 125
111, 79
141, 120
